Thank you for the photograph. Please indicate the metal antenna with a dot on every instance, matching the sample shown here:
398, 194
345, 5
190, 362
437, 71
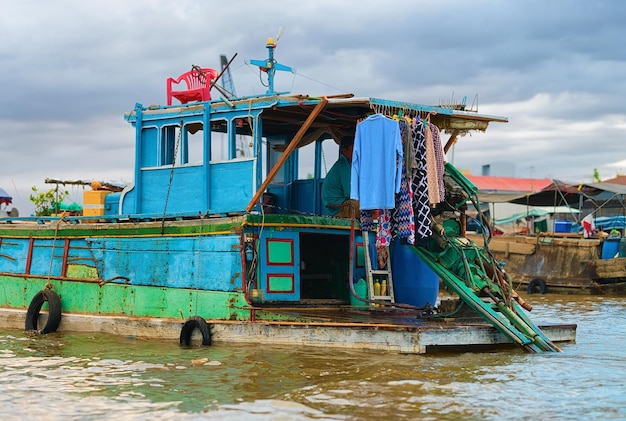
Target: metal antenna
270, 65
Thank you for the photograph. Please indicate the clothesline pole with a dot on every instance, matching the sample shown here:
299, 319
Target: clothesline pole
451, 141
290, 148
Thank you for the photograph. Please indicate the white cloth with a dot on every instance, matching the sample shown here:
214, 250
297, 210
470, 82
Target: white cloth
589, 226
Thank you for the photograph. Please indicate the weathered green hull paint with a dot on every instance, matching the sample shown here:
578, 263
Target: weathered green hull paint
124, 229
61, 230
126, 300
81, 272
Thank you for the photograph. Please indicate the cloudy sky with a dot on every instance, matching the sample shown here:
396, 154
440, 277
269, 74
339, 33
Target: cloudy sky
69, 69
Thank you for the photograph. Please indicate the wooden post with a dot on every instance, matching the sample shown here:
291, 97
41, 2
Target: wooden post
290, 148
451, 141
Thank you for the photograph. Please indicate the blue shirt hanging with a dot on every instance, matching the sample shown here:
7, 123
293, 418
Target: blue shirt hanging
376, 172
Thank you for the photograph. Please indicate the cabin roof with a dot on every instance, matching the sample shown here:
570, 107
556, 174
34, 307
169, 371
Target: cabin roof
283, 115
344, 113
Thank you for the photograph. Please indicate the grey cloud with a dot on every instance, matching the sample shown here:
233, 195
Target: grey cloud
70, 69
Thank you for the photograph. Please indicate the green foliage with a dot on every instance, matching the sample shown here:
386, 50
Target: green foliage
596, 176
46, 202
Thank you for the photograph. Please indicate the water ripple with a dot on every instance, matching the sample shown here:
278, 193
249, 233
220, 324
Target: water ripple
64, 376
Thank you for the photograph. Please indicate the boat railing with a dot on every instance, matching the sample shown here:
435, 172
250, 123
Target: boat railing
77, 219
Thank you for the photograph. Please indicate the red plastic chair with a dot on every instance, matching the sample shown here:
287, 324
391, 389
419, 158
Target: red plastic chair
198, 83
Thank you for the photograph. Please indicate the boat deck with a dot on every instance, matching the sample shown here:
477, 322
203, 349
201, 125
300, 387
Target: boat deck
345, 327
404, 331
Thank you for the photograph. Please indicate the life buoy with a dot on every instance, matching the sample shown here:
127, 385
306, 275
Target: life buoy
192, 323
536, 285
54, 311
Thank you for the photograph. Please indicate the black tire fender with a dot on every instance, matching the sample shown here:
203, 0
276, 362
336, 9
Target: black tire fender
536, 285
192, 323
54, 311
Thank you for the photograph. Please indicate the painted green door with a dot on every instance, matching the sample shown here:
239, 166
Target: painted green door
279, 254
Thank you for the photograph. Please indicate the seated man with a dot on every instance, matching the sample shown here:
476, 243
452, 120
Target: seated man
336, 187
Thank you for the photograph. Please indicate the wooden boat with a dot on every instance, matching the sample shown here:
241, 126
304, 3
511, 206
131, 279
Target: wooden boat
561, 258
241, 248
561, 263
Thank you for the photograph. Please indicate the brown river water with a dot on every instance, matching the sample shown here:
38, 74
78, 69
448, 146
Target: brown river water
71, 376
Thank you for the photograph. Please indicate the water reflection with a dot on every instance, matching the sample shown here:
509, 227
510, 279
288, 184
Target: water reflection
79, 376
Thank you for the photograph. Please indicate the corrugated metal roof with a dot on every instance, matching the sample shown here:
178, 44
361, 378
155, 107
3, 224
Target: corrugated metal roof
509, 184
620, 179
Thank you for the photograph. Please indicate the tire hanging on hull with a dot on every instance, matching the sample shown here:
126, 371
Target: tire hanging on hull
536, 285
192, 323
54, 311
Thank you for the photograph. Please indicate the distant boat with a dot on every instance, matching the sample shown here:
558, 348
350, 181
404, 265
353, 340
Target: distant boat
223, 235
5, 199
560, 258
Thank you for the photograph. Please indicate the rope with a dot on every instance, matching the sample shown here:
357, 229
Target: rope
324, 160
197, 288
169, 186
317, 81
198, 73
54, 241
252, 125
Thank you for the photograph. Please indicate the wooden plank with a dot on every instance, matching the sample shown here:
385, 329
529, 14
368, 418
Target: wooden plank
506, 246
611, 268
511, 247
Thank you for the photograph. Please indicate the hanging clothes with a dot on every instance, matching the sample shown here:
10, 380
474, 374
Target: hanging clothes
431, 167
402, 216
383, 232
589, 226
409, 150
439, 159
419, 184
383, 227
376, 169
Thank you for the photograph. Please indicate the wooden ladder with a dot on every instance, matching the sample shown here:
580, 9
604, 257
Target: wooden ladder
380, 274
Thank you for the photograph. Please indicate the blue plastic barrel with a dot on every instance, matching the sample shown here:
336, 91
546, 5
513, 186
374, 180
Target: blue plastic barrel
414, 282
562, 226
610, 247
622, 247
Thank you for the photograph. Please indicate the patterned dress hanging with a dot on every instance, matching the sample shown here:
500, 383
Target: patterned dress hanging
383, 233
383, 228
419, 184
402, 217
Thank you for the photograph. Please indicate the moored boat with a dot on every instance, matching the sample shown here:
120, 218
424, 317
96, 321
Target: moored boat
224, 232
576, 255
562, 264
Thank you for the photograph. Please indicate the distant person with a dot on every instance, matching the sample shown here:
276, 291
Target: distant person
336, 187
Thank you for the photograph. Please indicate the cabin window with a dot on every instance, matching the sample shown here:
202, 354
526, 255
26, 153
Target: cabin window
169, 135
330, 154
275, 151
219, 140
306, 162
192, 151
232, 139
244, 141
149, 151
180, 148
